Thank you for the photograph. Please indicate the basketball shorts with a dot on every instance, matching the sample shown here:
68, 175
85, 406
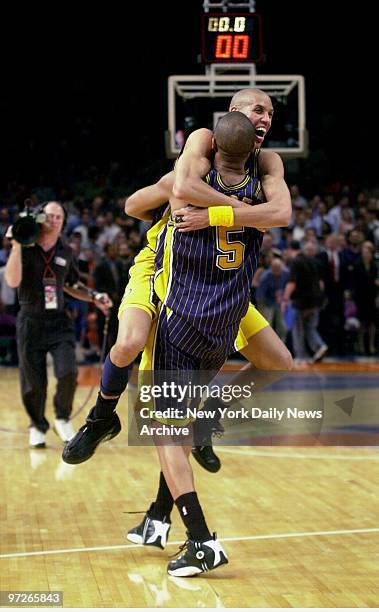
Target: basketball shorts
174, 352
139, 293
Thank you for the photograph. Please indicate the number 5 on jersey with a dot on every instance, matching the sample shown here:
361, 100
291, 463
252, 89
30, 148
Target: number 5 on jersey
232, 250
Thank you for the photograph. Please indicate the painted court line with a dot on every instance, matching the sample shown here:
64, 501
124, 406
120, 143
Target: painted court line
253, 453
270, 536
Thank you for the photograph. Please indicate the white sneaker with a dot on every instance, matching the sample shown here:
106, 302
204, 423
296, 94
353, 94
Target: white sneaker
64, 429
320, 353
36, 438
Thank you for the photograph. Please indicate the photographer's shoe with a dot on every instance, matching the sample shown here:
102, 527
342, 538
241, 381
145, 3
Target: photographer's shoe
37, 439
198, 557
89, 436
151, 532
64, 429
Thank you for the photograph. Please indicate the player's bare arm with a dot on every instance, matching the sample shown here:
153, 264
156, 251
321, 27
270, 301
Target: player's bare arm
143, 202
191, 167
275, 212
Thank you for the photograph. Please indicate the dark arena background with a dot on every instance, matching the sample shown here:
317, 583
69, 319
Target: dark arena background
89, 115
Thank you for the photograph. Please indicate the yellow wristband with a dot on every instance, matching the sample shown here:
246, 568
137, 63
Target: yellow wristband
221, 215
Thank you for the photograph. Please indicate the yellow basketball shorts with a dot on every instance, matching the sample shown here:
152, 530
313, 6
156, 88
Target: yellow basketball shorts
139, 292
250, 325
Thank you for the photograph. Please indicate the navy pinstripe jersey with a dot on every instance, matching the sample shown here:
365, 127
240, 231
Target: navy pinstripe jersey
211, 270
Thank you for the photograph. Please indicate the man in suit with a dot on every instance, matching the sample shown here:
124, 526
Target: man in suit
108, 278
332, 274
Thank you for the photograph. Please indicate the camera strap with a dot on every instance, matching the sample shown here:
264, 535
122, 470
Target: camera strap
49, 281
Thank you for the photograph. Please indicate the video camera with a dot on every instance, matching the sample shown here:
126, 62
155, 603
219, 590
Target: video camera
28, 226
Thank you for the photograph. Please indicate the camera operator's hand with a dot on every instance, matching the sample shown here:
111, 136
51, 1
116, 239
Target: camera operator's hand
103, 302
9, 233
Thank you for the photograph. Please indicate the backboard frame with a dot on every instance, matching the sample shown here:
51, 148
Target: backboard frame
225, 85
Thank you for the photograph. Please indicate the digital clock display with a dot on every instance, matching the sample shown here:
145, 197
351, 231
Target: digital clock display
231, 38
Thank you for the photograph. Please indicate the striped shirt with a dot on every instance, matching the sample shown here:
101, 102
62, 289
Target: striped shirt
208, 273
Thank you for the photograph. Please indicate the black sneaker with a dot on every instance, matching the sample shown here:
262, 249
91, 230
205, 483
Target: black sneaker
204, 429
85, 442
151, 532
206, 457
198, 557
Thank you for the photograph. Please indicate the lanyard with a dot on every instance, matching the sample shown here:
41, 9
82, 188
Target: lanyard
48, 272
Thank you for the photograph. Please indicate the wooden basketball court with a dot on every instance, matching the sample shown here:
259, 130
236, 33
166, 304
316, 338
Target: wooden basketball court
300, 525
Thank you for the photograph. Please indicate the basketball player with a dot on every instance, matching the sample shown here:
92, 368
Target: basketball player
256, 340
205, 294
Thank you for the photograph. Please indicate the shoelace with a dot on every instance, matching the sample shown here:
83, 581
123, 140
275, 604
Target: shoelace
218, 431
182, 547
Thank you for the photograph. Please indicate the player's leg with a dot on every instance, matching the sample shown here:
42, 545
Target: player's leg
102, 422
263, 348
135, 315
156, 524
202, 551
266, 351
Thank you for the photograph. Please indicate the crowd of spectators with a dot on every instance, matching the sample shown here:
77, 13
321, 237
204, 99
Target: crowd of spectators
342, 225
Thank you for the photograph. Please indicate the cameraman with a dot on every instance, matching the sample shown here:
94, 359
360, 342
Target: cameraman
42, 273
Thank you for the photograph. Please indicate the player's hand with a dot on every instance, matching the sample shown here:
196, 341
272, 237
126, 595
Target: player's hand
243, 203
192, 218
103, 302
237, 203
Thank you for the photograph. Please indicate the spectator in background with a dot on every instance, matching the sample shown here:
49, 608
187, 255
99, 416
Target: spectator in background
319, 216
98, 206
361, 224
134, 241
83, 227
73, 218
365, 290
298, 228
121, 218
109, 273
347, 221
269, 295
298, 201
351, 254
361, 199
310, 235
93, 235
126, 260
304, 288
335, 213
331, 272
5, 250
291, 252
373, 223
109, 230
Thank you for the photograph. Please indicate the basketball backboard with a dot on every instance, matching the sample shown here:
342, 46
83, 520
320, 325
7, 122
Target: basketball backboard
196, 101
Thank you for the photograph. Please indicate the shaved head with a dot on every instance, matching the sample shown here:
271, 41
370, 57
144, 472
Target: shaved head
234, 134
257, 106
245, 97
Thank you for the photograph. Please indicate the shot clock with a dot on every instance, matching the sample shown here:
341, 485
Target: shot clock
231, 38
